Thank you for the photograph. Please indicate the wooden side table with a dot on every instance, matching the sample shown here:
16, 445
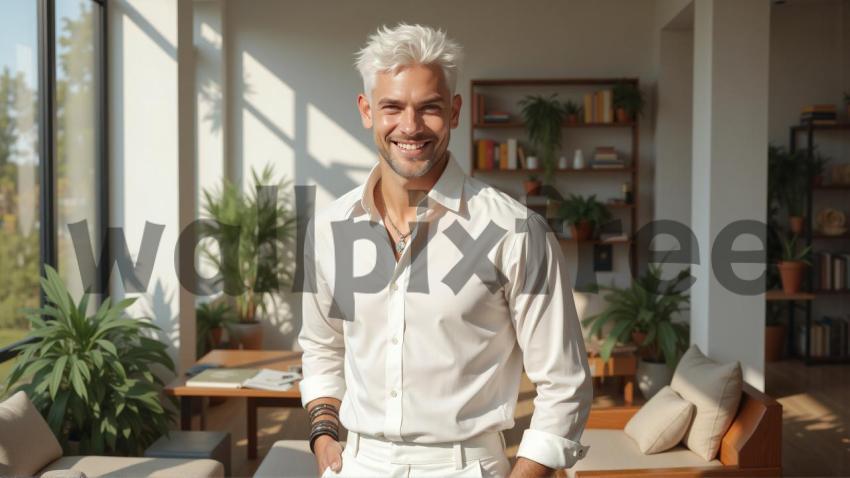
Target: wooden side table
621, 364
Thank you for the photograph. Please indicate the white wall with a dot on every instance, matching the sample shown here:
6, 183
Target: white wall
145, 152
294, 85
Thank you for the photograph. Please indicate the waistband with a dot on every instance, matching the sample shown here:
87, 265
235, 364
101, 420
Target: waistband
485, 445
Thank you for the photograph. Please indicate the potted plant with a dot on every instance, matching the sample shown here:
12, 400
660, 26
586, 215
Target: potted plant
817, 166
628, 101
643, 314
531, 185
788, 180
572, 111
774, 333
793, 265
213, 318
543, 117
90, 374
583, 215
253, 232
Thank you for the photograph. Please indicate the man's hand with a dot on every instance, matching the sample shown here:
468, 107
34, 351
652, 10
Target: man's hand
525, 468
328, 454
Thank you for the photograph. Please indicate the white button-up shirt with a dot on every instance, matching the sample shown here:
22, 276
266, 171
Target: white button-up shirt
431, 348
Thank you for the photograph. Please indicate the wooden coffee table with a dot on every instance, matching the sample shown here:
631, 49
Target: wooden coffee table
276, 360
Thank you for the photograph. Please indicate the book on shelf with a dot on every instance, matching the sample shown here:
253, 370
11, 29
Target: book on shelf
822, 114
832, 270
533, 200
599, 107
490, 155
234, 378
829, 336
497, 117
613, 237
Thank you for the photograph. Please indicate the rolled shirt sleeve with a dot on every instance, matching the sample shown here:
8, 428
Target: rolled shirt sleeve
321, 338
548, 332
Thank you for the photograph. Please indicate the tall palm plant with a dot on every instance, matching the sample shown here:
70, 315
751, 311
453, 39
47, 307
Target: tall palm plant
254, 234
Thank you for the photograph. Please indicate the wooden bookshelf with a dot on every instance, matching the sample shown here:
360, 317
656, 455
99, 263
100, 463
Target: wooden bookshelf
779, 295
810, 133
626, 134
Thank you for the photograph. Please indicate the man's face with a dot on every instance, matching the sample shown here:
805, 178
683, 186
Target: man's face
411, 114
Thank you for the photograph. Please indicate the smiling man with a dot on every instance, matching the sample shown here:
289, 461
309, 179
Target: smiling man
424, 370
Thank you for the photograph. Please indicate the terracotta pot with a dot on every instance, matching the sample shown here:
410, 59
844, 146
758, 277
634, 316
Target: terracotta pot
791, 273
582, 231
572, 119
531, 187
643, 352
215, 336
774, 342
795, 224
249, 335
622, 115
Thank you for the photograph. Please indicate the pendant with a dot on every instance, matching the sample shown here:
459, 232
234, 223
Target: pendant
399, 246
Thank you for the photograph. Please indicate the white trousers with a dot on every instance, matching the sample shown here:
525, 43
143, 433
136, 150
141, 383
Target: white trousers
482, 456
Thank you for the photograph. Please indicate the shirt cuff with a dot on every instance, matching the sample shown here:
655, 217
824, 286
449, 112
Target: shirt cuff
550, 450
319, 386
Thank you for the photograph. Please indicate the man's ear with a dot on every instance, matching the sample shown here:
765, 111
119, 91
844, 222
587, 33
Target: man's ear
456, 104
365, 111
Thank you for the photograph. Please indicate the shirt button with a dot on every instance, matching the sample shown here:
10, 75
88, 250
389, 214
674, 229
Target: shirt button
395, 341
393, 394
393, 287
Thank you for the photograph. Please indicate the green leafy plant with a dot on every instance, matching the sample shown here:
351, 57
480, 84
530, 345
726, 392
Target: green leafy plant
90, 376
646, 309
543, 118
629, 97
254, 234
791, 253
572, 108
576, 209
211, 316
788, 179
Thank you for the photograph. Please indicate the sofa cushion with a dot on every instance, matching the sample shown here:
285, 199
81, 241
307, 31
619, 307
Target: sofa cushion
26, 442
614, 450
661, 423
63, 474
289, 459
107, 466
715, 390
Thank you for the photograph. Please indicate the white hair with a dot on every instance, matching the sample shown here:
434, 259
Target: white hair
391, 49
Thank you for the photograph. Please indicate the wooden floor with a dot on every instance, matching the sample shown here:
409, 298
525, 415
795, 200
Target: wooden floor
816, 403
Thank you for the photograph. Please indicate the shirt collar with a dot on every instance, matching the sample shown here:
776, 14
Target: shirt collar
447, 191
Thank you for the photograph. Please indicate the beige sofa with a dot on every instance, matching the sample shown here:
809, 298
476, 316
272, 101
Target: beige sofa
28, 448
750, 447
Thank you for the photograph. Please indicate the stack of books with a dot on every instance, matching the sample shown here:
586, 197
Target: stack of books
497, 117
818, 115
598, 107
832, 270
492, 155
605, 157
480, 114
829, 337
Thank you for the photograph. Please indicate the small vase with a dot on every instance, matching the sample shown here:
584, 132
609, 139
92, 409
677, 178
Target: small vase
531, 162
622, 115
563, 163
578, 159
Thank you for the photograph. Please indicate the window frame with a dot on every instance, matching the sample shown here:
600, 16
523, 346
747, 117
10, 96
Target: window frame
48, 232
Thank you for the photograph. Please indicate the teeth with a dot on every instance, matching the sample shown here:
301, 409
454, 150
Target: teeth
410, 146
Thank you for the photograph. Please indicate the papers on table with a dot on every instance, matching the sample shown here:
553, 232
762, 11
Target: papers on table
260, 379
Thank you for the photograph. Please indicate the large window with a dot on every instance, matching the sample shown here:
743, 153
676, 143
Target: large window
52, 129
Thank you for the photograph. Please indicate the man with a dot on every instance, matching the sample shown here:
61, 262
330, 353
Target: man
415, 339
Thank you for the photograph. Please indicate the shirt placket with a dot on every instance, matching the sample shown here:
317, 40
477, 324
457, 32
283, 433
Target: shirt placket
395, 327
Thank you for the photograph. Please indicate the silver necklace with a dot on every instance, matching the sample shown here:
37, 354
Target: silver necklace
402, 238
